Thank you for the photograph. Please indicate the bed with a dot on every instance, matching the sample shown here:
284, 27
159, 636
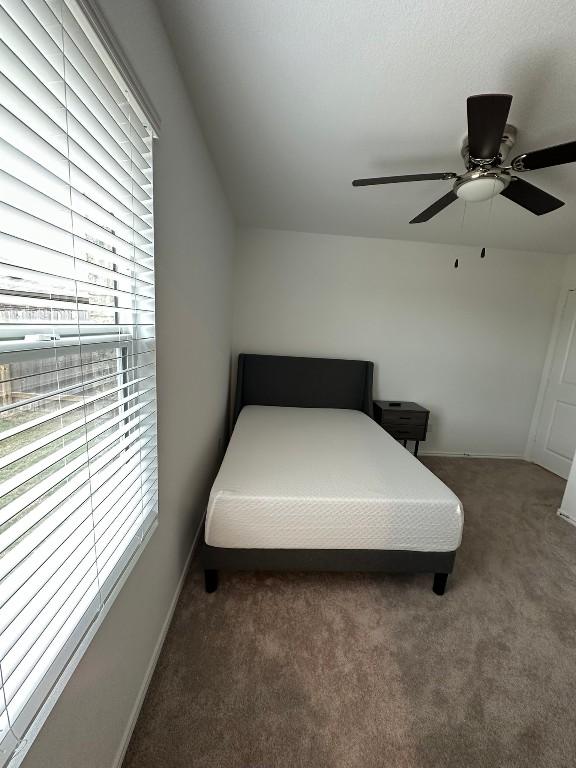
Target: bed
310, 482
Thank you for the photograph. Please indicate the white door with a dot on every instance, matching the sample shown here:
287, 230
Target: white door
555, 441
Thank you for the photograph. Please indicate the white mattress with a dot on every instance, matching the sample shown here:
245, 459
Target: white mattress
321, 478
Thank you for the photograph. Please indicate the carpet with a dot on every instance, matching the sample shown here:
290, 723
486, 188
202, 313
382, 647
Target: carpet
368, 670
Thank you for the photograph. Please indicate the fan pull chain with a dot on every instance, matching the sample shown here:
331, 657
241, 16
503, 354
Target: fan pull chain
483, 251
461, 229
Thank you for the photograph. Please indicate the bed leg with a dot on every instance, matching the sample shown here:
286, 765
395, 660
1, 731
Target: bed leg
439, 586
210, 580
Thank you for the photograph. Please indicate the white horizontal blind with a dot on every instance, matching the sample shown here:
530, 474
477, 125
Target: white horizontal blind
78, 465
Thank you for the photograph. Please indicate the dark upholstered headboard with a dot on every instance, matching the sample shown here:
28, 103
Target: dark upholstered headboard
303, 382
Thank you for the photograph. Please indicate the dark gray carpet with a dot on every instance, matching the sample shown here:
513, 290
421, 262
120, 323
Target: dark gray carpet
371, 671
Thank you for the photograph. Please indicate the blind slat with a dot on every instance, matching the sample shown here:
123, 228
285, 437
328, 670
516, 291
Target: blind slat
76, 273
54, 202
43, 30
36, 146
56, 236
58, 434
49, 495
45, 602
26, 577
42, 606
62, 412
82, 387
47, 644
56, 456
75, 540
73, 368
35, 256
80, 482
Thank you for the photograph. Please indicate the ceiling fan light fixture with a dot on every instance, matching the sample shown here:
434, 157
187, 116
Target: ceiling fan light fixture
480, 187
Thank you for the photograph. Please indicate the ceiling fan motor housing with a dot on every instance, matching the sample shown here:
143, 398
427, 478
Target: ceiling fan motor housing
508, 140
485, 178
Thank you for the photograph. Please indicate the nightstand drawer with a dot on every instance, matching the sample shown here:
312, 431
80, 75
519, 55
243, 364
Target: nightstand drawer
406, 431
403, 417
403, 420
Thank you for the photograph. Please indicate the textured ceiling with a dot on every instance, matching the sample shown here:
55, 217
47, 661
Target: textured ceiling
298, 97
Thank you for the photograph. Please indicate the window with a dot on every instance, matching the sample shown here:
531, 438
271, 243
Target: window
78, 474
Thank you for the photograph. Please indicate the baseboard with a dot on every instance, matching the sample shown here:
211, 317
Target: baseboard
566, 516
153, 661
460, 455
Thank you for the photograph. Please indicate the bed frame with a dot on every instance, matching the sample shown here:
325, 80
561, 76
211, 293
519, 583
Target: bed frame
310, 382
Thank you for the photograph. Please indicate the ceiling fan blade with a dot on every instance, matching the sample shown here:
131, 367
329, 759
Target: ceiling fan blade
435, 208
487, 115
398, 179
546, 158
530, 197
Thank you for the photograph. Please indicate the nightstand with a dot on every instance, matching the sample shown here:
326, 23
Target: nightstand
404, 421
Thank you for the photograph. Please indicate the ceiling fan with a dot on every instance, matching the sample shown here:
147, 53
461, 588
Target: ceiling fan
484, 151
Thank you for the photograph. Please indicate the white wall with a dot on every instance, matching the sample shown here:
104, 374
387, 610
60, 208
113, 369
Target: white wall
469, 343
194, 245
569, 280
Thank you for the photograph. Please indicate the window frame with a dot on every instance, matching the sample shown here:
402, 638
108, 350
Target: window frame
101, 35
